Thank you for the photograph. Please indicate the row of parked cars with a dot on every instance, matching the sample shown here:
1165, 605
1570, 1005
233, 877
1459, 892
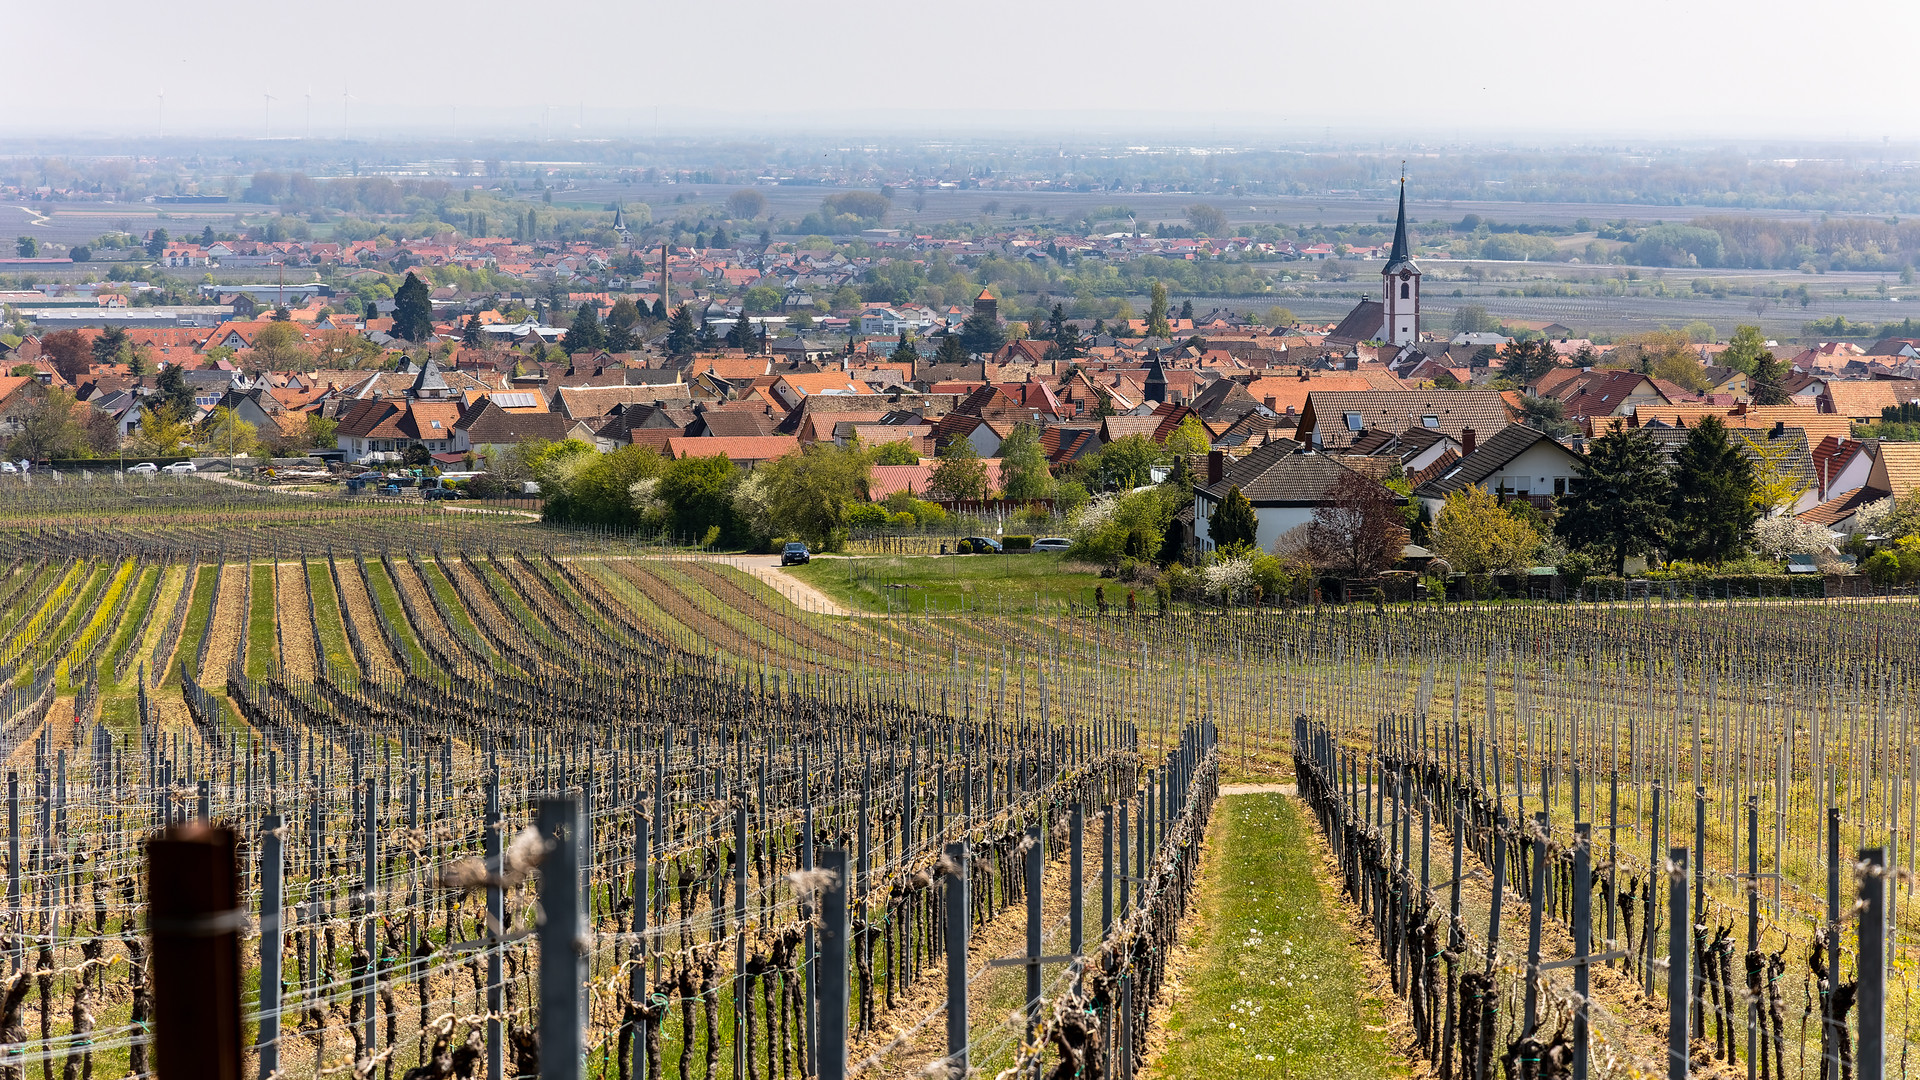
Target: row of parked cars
987, 545
148, 468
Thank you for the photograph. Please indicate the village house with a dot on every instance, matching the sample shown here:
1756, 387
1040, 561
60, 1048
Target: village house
1516, 462
1284, 480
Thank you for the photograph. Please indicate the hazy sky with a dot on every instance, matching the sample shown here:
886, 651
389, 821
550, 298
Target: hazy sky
1405, 69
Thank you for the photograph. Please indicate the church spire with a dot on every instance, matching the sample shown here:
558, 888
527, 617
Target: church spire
1400, 282
1400, 253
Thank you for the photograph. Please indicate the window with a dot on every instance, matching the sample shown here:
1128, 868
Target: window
1406, 291
1559, 485
1432, 422
1353, 421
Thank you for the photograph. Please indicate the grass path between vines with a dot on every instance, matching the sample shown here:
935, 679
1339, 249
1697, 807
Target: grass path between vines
1271, 978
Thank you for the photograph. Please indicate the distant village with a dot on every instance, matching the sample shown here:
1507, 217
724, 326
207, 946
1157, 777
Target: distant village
739, 353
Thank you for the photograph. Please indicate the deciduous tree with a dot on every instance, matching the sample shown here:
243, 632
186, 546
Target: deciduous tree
1477, 535
67, 350
1356, 530
807, 493
698, 492
1023, 466
1157, 325
960, 474
1744, 349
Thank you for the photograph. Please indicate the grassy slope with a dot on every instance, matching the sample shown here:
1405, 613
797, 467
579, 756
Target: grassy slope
148, 584
389, 601
262, 647
1270, 983
984, 580
189, 645
326, 623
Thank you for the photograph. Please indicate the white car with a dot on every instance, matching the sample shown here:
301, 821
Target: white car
180, 467
9, 468
145, 468
1052, 543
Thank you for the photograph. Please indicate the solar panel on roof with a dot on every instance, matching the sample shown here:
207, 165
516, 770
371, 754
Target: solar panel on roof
513, 401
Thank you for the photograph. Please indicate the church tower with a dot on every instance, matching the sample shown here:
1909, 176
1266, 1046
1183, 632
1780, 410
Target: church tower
1400, 284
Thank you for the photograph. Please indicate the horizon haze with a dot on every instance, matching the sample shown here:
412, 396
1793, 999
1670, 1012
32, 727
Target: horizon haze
1443, 72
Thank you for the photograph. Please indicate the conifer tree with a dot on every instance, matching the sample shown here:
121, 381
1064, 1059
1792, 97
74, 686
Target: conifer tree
1713, 511
586, 333
1621, 506
681, 335
412, 310
1235, 521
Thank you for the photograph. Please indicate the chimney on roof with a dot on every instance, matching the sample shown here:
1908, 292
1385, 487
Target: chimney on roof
1779, 429
1216, 466
1273, 404
1468, 439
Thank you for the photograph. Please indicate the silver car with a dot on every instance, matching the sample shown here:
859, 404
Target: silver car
1052, 543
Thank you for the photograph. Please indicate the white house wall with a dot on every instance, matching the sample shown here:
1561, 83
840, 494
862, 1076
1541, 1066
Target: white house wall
1270, 523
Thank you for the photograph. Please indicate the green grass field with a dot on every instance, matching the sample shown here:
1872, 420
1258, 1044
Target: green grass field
989, 582
1271, 984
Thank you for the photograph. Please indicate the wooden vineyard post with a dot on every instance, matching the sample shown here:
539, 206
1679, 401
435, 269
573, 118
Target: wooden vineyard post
1834, 1025
832, 969
193, 896
959, 904
370, 885
15, 926
1753, 934
741, 986
1106, 872
272, 941
562, 956
810, 967
1613, 853
1499, 886
1653, 894
1539, 903
1697, 989
496, 922
1872, 959
1076, 882
1677, 1004
637, 982
1582, 940
1036, 856
1455, 936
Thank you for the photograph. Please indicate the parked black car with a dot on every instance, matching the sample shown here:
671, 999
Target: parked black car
979, 545
795, 553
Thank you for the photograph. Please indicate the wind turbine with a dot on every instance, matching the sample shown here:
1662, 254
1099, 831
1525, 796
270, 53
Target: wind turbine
344, 98
270, 100
163, 111
309, 110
